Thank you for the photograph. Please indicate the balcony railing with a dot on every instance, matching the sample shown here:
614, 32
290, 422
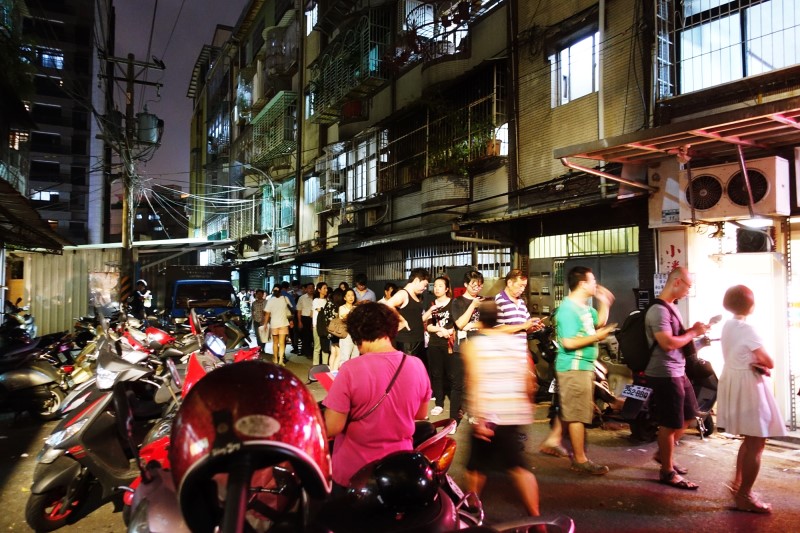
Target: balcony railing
352, 66
275, 128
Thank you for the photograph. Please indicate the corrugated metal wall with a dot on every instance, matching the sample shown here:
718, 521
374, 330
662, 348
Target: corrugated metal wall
57, 286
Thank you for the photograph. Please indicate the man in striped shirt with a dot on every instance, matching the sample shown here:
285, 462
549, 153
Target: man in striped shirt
512, 311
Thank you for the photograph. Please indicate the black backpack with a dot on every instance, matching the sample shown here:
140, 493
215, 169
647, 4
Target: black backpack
632, 338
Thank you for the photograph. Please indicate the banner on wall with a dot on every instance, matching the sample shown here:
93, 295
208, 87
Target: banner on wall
671, 251
104, 291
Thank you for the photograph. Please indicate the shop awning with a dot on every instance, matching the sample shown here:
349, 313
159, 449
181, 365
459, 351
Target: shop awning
21, 227
760, 130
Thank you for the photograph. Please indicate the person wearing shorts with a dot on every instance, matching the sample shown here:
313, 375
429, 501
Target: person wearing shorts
277, 313
674, 402
579, 327
499, 385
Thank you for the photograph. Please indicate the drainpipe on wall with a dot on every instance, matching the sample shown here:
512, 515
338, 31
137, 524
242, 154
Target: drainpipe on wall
513, 100
301, 102
601, 126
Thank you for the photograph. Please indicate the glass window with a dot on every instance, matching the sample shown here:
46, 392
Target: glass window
50, 58
311, 19
718, 41
573, 71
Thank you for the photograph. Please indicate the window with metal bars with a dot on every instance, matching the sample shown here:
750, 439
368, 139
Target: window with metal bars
602, 242
705, 43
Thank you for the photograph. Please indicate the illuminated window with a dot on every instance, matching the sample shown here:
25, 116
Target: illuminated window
573, 70
719, 41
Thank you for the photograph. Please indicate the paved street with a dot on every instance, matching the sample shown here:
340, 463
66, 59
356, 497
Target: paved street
627, 499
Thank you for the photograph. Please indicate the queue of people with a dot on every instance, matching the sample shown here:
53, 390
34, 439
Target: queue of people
475, 352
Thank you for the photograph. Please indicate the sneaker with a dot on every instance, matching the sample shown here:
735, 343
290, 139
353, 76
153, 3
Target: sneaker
436, 411
589, 468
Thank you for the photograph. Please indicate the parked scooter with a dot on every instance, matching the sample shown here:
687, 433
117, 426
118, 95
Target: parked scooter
28, 383
86, 456
146, 494
18, 327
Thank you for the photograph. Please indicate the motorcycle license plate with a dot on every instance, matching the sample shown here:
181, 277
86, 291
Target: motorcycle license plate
455, 488
553, 387
637, 392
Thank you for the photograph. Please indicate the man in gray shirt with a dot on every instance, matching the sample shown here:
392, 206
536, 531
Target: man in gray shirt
673, 397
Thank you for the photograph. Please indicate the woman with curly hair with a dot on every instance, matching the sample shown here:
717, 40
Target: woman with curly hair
375, 398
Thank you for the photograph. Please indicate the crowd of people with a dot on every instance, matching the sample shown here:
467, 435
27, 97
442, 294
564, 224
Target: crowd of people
396, 355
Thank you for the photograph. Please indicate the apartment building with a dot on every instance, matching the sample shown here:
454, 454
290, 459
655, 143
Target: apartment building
68, 163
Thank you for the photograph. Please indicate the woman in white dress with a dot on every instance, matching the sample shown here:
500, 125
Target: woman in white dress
745, 405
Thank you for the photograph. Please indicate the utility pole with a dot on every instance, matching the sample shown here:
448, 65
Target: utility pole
126, 153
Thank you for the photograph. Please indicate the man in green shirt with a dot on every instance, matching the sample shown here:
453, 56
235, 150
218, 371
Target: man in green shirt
579, 327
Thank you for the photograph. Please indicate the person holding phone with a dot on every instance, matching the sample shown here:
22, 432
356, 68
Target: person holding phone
579, 327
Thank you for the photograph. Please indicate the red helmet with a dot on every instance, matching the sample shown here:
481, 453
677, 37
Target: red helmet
252, 408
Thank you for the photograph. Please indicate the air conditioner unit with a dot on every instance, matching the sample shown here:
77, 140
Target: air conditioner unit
719, 193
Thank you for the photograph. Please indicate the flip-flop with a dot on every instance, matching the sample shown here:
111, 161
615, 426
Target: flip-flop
555, 451
679, 469
673, 479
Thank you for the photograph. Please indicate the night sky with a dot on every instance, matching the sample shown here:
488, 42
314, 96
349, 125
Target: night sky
195, 27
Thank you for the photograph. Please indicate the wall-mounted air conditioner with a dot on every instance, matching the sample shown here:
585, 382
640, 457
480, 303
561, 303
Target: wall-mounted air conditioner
719, 192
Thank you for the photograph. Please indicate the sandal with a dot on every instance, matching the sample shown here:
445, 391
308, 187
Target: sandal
751, 504
555, 451
679, 469
673, 479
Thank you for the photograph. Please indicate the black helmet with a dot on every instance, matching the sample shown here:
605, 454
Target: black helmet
143, 282
400, 482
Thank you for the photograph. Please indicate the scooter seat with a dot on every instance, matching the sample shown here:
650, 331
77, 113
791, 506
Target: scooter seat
18, 356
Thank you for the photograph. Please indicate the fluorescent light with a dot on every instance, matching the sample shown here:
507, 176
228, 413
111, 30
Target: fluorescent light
757, 222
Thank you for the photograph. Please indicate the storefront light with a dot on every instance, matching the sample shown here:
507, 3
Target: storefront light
757, 222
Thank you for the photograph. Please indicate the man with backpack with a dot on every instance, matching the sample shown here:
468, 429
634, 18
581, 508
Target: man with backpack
579, 327
673, 397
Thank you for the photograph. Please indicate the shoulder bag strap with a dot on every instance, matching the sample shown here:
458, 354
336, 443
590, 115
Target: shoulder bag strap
385, 394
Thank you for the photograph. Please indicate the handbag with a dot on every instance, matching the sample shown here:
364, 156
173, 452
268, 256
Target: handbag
263, 334
338, 328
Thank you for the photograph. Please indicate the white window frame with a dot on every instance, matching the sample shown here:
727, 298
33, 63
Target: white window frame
568, 72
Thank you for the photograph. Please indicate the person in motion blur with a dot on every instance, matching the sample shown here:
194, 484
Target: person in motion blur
673, 395
745, 404
499, 386
579, 327
375, 398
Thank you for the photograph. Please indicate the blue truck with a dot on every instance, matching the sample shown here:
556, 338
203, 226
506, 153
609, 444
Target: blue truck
207, 288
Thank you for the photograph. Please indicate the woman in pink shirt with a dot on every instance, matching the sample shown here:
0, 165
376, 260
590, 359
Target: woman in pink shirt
367, 422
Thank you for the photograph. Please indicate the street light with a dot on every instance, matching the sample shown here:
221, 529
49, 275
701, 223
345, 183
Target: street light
274, 206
